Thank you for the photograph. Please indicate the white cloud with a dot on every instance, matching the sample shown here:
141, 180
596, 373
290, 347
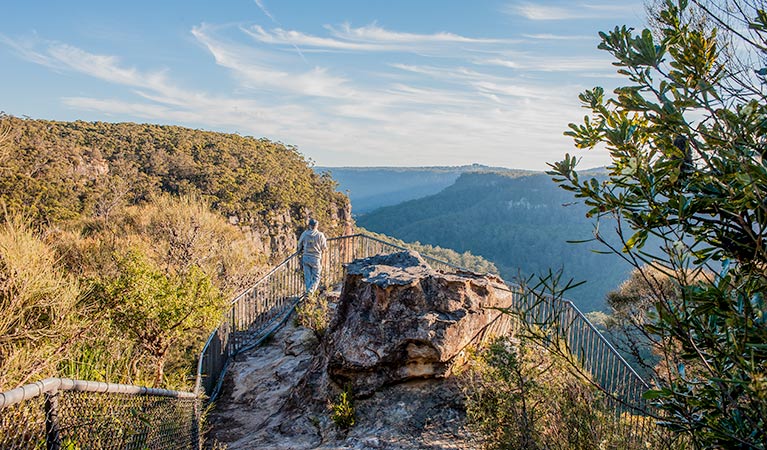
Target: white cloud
60, 56
374, 33
568, 11
558, 37
398, 107
369, 38
532, 11
266, 12
552, 64
256, 72
280, 36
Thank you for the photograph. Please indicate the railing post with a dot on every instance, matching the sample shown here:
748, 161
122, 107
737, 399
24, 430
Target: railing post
197, 438
52, 430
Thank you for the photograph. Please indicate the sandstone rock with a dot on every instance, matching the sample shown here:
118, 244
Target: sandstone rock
301, 341
399, 327
399, 319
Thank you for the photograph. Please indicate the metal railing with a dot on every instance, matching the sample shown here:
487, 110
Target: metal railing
558, 324
65, 414
58, 412
257, 312
260, 309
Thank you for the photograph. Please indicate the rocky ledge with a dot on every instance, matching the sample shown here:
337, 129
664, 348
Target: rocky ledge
398, 331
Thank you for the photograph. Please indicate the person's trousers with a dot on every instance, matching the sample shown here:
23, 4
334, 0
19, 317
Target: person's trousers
312, 272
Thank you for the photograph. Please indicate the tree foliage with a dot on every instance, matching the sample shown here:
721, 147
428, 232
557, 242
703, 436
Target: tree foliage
159, 309
686, 136
157, 270
65, 170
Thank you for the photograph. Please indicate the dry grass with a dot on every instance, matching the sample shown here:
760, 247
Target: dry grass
40, 320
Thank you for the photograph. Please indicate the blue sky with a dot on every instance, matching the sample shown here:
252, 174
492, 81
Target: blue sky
350, 83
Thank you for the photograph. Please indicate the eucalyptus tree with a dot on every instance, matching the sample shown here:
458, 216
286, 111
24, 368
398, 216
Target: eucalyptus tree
686, 137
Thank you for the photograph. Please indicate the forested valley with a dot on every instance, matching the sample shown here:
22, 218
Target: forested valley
524, 224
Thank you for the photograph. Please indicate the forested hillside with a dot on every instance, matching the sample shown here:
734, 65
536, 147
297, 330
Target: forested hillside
120, 244
65, 170
370, 188
521, 224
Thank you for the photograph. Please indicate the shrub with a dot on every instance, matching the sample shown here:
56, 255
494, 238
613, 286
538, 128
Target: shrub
518, 396
41, 318
687, 191
312, 313
342, 410
157, 309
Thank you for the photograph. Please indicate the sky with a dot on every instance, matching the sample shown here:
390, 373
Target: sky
349, 83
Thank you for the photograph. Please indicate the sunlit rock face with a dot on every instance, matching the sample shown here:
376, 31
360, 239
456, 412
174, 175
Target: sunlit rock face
397, 329
398, 319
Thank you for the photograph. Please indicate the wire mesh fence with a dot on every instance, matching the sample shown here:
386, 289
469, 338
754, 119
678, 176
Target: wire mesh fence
64, 414
68, 414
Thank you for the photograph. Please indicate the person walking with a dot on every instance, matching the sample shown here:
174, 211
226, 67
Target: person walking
311, 244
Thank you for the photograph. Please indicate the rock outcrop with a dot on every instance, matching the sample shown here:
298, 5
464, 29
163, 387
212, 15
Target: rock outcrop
275, 231
398, 329
398, 319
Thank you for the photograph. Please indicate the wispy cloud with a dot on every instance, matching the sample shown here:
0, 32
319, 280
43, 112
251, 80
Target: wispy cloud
375, 33
263, 9
369, 38
255, 70
284, 37
558, 37
571, 64
420, 95
60, 56
262, 6
567, 11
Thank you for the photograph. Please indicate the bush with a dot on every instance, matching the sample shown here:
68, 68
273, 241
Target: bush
687, 191
41, 317
157, 309
342, 410
312, 313
518, 396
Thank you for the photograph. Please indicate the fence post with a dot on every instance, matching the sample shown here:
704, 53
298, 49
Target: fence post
52, 430
196, 435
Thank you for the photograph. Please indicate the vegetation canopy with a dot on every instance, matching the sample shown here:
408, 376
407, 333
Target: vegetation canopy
686, 136
120, 243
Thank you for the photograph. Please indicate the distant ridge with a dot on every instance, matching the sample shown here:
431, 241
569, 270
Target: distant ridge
521, 222
370, 188
464, 168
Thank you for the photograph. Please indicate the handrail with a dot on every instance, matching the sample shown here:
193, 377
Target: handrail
32, 390
282, 282
257, 312
609, 345
569, 303
58, 413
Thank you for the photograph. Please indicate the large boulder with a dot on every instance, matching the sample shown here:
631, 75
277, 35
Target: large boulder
398, 319
397, 329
